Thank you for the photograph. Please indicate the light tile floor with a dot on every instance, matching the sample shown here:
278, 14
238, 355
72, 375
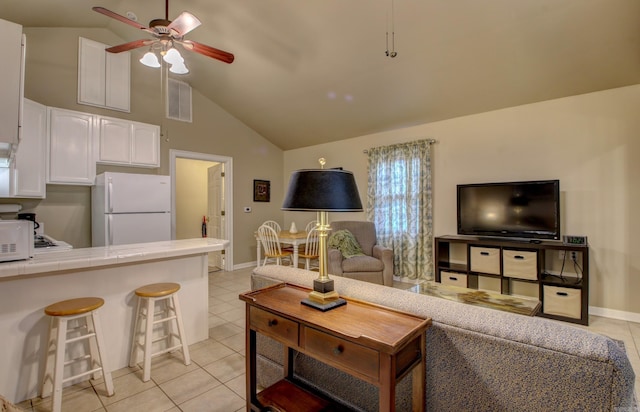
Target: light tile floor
215, 380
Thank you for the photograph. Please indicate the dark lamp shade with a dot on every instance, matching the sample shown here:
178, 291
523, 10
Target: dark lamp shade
322, 189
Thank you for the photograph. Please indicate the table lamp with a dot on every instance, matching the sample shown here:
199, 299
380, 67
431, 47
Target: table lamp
322, 190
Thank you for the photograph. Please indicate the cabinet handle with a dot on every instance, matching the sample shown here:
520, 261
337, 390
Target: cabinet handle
338, 350
518, 257
562, 294
273, 322
484, 253
452, 278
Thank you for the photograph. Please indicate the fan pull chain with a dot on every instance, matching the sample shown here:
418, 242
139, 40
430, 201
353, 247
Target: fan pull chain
393, 52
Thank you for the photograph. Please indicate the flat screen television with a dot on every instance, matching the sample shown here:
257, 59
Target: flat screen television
529, 210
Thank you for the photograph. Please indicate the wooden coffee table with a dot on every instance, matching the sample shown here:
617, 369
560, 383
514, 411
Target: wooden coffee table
508, 303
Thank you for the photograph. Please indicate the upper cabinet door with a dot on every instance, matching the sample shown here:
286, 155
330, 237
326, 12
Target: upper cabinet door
103, 78
115, 140
29, 164
145, 145
125, 142
70, 147
91, 73
11, 69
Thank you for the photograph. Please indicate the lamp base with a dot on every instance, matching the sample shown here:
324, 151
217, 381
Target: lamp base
324, 306
323, 297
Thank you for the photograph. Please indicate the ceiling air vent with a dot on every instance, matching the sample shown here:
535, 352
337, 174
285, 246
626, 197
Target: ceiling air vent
179, 101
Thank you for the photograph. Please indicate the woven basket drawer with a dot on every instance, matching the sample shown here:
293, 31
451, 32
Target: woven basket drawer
561, 301
453, 279
485, 260
520, 264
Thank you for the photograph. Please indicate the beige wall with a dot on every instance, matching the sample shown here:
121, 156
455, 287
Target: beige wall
590, 142
51, 79
191, 196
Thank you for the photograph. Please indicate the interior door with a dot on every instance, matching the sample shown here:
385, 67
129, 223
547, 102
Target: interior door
215, 212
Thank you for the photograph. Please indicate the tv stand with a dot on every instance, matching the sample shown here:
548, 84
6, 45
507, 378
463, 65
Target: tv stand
532, 268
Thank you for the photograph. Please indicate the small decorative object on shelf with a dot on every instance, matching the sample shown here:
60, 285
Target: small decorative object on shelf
574, 240
293, 228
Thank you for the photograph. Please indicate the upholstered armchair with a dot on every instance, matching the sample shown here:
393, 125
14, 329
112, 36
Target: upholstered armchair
375, 266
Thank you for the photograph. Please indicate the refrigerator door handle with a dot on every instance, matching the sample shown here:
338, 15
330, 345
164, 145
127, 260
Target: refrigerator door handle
109, 196
109, 231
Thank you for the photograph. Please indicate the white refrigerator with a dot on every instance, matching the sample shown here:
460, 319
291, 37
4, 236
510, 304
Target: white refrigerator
130, 208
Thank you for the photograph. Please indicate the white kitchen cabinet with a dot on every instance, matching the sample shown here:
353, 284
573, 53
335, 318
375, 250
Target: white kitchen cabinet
145, 145
103, 78
124, 142
71, 159
11, 86
28, 170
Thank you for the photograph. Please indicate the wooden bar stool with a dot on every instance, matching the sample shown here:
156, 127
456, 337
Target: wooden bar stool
62, 333
148, 295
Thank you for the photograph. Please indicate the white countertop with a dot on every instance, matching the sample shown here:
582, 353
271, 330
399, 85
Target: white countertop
109, 255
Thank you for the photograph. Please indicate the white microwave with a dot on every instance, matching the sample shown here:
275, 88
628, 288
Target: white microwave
16, 240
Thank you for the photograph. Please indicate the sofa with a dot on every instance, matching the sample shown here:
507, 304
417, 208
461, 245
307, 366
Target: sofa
477, 359
376, 266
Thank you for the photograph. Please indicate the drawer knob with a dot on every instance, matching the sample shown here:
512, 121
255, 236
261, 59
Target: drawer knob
338, 350
273, 322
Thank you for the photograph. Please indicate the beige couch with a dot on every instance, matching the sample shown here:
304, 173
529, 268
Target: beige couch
477, 359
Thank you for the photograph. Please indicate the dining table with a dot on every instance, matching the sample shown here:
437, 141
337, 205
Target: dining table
286, 238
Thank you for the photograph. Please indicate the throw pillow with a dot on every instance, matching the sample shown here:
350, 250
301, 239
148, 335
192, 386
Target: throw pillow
346, 243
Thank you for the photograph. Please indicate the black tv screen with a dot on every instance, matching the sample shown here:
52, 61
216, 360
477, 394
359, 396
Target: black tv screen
513, 209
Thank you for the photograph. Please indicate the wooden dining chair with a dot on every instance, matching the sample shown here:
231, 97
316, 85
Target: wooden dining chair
271, 246
310, 254
311, 225
273, 225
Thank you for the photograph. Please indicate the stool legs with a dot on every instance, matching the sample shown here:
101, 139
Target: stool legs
53, 382
148, 339
183, 341
106, 371
146, 309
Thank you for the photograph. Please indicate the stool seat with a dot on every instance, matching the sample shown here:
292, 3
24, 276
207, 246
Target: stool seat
157, 290
73, 306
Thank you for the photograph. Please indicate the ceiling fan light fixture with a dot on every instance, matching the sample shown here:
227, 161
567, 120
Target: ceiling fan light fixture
179, 68
150, 59
172, 56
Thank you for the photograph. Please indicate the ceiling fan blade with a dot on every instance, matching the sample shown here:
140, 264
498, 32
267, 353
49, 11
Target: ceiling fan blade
184, 23
207, 51
123, 19
129, 46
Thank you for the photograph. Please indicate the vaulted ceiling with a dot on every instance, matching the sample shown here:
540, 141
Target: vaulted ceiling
315, 71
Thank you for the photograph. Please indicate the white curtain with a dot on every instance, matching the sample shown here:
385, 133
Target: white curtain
399, 203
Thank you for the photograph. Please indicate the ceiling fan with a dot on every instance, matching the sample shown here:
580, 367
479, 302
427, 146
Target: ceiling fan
166, 34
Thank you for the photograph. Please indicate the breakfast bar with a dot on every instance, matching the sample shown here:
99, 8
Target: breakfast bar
112, 273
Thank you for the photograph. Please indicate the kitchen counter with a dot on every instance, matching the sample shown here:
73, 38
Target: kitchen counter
112, 273
70, 259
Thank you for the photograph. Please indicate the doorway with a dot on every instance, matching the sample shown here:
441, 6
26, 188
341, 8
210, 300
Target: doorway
201, 189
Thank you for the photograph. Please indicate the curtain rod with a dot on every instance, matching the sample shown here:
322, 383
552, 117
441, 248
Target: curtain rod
430, 141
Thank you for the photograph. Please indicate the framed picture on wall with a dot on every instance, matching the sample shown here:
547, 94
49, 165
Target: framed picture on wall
261, 190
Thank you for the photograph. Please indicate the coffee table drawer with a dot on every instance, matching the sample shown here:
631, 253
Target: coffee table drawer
342, 352
277, 327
